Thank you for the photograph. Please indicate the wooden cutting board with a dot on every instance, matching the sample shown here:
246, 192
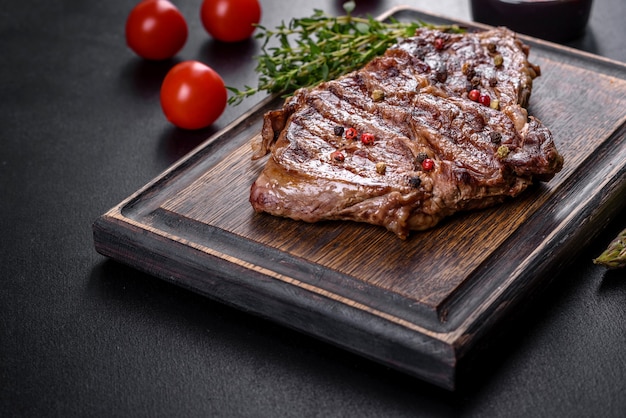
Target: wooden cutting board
418, 305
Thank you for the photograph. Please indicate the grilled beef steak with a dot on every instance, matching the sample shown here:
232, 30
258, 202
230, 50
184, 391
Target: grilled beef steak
434, 126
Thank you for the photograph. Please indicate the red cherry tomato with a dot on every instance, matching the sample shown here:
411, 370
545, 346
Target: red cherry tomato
156, 30
230, 20
193, 95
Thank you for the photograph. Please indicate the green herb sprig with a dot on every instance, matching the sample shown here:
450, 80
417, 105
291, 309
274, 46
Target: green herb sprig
319, 48
615, 254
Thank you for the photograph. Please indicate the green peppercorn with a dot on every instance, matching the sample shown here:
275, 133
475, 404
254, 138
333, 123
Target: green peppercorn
378, 95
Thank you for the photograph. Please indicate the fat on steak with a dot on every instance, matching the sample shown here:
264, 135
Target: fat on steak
424, 148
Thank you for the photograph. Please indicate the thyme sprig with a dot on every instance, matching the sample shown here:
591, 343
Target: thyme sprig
314, 49
615, 254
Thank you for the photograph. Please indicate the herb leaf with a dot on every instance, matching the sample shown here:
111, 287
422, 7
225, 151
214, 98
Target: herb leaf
615, 254
318, 48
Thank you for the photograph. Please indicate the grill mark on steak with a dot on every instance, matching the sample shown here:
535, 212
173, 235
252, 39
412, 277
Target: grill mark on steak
422, 112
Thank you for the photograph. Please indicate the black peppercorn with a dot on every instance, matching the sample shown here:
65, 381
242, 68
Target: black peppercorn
415, 182
495, 137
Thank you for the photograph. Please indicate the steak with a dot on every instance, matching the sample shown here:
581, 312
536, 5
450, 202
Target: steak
436, 125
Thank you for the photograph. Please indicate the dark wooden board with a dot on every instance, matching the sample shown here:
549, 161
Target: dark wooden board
418, 305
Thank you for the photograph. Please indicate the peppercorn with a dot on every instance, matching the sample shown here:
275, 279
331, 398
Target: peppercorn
381, 167
439, 44
468, 70
496, 137
338, 130
498, 60
351, 133
367, 139
337, 156
484, 99
503, 151
428, 164
474, 95
378, 95
415, 182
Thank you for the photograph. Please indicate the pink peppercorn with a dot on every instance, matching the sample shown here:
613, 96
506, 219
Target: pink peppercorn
484, 100
337, 156
367, 139
351, 133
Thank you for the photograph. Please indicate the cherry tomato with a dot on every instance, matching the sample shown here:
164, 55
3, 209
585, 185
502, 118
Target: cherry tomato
193, 95
230, 20
156, 30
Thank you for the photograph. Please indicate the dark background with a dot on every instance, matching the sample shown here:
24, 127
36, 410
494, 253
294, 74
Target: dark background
80, 335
